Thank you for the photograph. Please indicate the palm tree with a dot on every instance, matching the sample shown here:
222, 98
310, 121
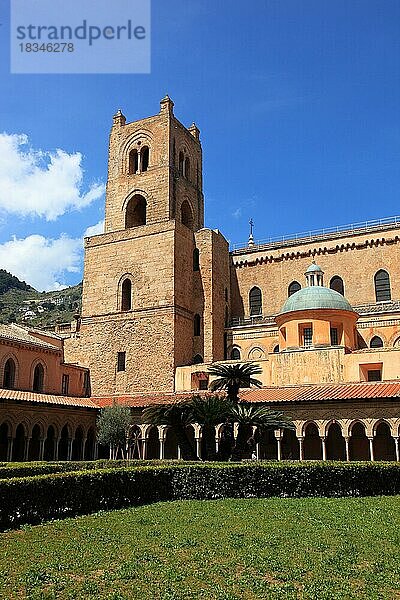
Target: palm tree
233, 377
249, 415
209, 411
178, 416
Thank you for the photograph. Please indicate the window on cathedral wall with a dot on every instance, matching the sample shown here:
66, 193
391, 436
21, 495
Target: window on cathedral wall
293, 288
235, 354
186, 215
196, 260
255, 301
121, 361
144, 156
197, 325
135, 214
181, 163
306, 335
186, 167
133, 162
382, 286
9, 374
126, 295
334, 336
337, 284
371, 372
65, 385
38, 378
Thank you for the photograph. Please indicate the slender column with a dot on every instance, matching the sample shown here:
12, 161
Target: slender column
346, 441
56, 444
279, 440
323, 440
139, 162
197, 439
26, 448
216, 440
162, 448
179, 452
258, 450
10, 448
396, 445
96, 451
371, 448
144, 448
301, 447
69, 452
41, 448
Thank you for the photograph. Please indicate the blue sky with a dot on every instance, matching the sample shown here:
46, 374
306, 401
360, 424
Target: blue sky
297, 102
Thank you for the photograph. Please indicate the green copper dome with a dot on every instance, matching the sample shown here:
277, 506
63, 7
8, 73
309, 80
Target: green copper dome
314, 297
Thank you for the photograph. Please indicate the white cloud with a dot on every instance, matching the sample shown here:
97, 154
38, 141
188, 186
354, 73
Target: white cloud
237, 213
94, 229
42, 263
41, 183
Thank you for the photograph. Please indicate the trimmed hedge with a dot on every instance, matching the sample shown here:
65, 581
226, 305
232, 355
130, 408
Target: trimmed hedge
36, 499
24, 469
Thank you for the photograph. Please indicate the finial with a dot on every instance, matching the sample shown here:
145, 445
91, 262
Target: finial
195, 131
167, 105
251, 236
119, 118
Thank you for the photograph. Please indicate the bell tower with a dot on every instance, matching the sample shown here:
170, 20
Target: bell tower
143, 308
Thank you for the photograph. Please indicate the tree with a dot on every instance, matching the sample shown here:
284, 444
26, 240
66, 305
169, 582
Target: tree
113, 428
209, 411
233, 377
178, 416
247, 416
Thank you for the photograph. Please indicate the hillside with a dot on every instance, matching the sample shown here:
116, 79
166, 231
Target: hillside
21, 303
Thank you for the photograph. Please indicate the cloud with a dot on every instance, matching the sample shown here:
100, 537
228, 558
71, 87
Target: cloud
41, 183
42, 263
237, 213
94, 229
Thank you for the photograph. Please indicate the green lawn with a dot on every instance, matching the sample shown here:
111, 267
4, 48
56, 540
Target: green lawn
310, 548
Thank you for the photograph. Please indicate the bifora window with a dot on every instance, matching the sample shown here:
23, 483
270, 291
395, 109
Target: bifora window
382, 286
255, 301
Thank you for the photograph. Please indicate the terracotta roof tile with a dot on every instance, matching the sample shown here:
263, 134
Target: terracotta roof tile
47, 399
20, 334
292, 393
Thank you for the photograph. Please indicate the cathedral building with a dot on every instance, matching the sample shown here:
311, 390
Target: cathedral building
164, 298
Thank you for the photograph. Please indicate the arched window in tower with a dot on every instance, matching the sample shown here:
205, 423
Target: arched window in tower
235, 354
376, 342
133, 162
144, 158
196, 260
187, 168
255, 301
196, 325
293, 288
135, 214
186, 214
126, 295
9, 375
181, 163
337, 284
38, 378
382, 286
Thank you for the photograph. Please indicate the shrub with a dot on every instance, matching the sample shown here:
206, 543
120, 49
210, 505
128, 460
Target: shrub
35, 499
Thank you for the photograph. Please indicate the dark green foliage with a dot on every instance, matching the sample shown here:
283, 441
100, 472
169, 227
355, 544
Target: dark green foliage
35, 499
232, 377
178, 416
113, 427
10, 282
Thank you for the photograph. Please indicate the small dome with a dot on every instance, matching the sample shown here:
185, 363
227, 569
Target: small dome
314, 268
314, 297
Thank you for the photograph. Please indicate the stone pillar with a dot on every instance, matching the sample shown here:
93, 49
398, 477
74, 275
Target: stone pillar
162, 448
216, 440
41, 448
56, 443
197, 439
323, 444
139, 159
69, 452
396, 445
26, 448
371, 448
144, 448
258, 450
301, 447
10, 448
179, 452
278, 436
346, 441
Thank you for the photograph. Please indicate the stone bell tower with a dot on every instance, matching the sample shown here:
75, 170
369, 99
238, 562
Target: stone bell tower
143, 307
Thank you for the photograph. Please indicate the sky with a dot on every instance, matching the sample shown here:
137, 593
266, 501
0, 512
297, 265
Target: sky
297, 102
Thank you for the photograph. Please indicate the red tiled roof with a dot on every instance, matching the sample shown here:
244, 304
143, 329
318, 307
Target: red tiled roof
47, 399
325, 391
17, 333
291, 393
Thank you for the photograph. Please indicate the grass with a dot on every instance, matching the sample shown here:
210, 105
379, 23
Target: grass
309, 548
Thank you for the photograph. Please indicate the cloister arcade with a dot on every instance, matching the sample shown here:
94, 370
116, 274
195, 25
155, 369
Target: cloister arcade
359, 439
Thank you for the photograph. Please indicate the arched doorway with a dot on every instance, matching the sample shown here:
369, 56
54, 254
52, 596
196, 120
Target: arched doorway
34, 444
290, 448
153, 444
358, 443
63, 444
77, 445
384, 444
90, 444
335, 444
19, 444
49, 444
312, 446
268, 449
4, 434
170, 444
